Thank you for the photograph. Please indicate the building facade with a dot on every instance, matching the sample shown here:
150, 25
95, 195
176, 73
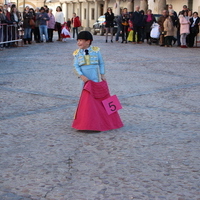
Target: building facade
90, 10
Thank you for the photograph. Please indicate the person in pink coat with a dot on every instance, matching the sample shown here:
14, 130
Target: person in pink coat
184, 27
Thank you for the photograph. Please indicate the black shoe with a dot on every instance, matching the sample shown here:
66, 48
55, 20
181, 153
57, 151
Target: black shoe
122, 41
111, 41
174, 41
106, 41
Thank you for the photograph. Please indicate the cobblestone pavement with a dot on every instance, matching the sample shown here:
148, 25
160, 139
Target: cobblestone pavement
155, 156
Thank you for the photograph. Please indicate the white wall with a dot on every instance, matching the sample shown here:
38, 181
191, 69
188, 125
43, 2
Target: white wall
196, 6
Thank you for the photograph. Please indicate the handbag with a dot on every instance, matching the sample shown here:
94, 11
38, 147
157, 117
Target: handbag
125, 23
31, 22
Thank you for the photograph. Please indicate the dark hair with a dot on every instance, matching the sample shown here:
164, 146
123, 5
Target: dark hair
32, 10
109, 8
195, 13
42, 8
59, 7
142, 12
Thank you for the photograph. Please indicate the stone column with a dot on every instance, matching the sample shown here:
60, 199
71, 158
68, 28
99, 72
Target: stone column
65, 11
96, 10
130, 6
143, 5
161, 6
105, 6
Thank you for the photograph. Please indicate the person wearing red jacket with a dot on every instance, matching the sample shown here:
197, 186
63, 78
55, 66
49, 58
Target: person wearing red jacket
75, 21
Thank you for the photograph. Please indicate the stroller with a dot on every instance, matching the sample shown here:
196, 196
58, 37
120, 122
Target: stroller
155, 33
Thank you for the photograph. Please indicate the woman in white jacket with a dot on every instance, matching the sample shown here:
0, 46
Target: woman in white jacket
59, 18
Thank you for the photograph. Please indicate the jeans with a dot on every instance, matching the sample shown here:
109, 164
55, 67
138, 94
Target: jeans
75, 29
27, 33
118, 33
43, 30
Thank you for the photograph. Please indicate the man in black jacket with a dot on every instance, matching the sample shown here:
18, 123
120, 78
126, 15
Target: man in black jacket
194, 28
137, 20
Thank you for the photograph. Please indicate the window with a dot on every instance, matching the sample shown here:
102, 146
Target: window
85, 13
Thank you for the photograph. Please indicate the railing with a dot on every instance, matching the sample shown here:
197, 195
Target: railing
9, 34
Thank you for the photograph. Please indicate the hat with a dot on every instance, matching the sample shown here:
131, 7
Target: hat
85, 35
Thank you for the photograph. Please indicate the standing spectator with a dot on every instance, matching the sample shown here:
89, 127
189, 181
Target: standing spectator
43, 18
124, 21
137, 19
15, 18
185, 8
59, 18
169, 31
37, 30
184, 27
75, 23
194, 28
119, 28
32, 22
142, 26
27, 15
51, 25
109, 16
161, 20
149, 19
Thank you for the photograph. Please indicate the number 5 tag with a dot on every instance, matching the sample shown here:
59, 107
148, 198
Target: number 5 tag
112, 104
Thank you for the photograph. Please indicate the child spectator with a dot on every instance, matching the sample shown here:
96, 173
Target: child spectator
65, 32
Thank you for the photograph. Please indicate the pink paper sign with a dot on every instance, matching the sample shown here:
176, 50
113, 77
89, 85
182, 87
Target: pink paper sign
112, 104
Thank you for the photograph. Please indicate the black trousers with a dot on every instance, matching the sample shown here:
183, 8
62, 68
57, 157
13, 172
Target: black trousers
191, 39
37, 34
58, 28
124, 33
50, 34
137, 29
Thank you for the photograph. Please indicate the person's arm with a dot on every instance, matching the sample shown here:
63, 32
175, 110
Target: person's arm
47, 17
101, 66
78, 70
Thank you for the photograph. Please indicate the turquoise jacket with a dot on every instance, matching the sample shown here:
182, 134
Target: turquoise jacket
95, 67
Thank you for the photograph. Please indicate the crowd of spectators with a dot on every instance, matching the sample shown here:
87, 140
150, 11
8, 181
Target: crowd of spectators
33, 25
180, 29
135, 27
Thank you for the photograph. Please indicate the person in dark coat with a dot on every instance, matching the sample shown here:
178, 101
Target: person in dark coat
124, 18
194, 28
137, 20
109, 16
119, 28
27, 15
149, 19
